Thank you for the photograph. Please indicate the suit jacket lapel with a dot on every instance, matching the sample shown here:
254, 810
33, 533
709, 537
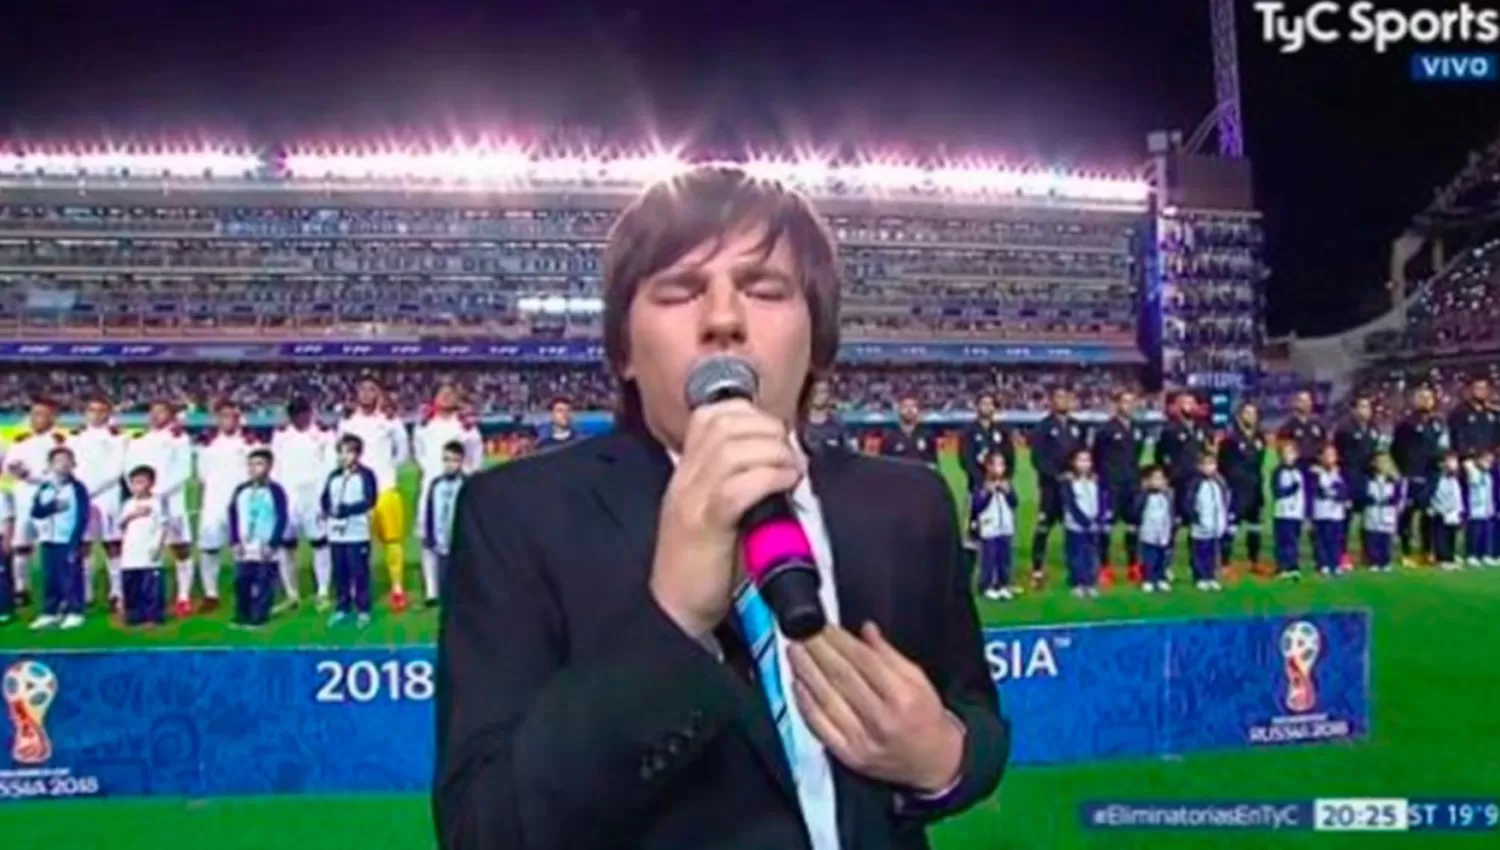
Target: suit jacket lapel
862, 573
630, 494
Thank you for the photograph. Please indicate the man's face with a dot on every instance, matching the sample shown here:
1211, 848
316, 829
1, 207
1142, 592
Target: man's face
1480, 391
1062, 401
986, 407
446, 400
1125, 406
96, 414
723, 296
1424, 400
43, 417
1364, 411
1250, 416
160, 415
909, 412
562, 416
1302, 404
368, 395
1187, 405
229, 420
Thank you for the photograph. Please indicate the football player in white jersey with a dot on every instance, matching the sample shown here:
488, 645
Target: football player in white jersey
26, 462
303, 454
443, 423
99, 448
166, 448
223, 460
386, 448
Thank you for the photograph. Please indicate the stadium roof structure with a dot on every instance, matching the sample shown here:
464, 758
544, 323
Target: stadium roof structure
499, 168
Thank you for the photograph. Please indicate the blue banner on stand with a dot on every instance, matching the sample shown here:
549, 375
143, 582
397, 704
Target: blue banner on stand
232, 722
575, 352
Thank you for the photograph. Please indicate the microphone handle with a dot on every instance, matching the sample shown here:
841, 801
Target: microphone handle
779, 560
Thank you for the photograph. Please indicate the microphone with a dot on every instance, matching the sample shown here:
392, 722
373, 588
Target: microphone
778, 557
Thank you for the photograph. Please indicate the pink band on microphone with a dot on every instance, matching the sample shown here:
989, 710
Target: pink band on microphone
773, 544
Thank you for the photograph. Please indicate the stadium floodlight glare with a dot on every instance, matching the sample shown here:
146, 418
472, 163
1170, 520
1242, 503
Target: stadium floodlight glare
502, 165
557, 305
123, 162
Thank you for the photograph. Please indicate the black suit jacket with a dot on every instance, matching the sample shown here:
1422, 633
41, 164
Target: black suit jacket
573, 713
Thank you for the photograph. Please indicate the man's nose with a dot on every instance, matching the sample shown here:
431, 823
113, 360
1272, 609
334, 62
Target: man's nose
722, 318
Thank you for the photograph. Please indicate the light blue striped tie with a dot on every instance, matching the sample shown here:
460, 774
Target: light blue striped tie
760, 634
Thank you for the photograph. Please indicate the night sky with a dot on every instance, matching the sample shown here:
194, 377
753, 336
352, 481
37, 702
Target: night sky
1346, 148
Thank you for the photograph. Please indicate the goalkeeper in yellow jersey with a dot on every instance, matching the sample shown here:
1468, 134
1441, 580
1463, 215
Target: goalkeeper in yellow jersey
387, 447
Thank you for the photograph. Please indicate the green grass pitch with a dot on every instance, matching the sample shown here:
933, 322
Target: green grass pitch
1433, 729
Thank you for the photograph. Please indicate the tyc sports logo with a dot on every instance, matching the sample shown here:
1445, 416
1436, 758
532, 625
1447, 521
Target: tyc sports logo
1293, 30
29, 687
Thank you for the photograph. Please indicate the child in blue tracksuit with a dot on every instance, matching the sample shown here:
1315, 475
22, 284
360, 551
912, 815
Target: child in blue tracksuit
1479, 508
258, 516
1153, 515
1206, 510
348, 497
1330, 510
1385, 495
1289, 503
1447, 511
7, 581
1085, 514
992, 522
437, 521
61, 512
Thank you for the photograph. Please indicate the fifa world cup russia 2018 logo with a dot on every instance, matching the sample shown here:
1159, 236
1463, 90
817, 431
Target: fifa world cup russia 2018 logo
30, 687
1301, 644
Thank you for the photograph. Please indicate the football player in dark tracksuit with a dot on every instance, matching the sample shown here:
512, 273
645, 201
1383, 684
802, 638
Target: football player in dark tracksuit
822, 430
1116, 449
1301, 428
985, 435
1473, 425
1242, 463
1182, 442
1054, 441
1357, 441
1417, 446
911, 440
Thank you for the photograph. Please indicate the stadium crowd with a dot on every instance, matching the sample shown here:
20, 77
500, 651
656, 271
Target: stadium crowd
262, 389
118, 271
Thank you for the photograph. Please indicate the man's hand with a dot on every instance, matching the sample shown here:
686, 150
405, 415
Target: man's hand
875, 711
733, 456
17, 469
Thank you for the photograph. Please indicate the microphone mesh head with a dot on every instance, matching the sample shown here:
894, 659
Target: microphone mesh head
719, 377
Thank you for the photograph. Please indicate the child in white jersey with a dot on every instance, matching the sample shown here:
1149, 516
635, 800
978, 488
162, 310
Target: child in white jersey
144, 524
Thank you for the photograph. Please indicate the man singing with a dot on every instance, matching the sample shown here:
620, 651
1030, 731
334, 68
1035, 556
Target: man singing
595, 685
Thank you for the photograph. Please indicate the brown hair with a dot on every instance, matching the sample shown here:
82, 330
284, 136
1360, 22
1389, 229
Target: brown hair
674, 216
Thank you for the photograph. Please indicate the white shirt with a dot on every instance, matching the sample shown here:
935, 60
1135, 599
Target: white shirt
223, 464
385, 444
439, 431
141, 541
300, 459
100, 455
169, 453
31, 452
811, 769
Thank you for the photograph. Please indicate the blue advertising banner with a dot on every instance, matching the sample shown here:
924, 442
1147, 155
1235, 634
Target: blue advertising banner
223, 722
575, 352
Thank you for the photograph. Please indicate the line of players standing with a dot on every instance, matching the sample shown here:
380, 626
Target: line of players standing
317, 483
1430, 480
